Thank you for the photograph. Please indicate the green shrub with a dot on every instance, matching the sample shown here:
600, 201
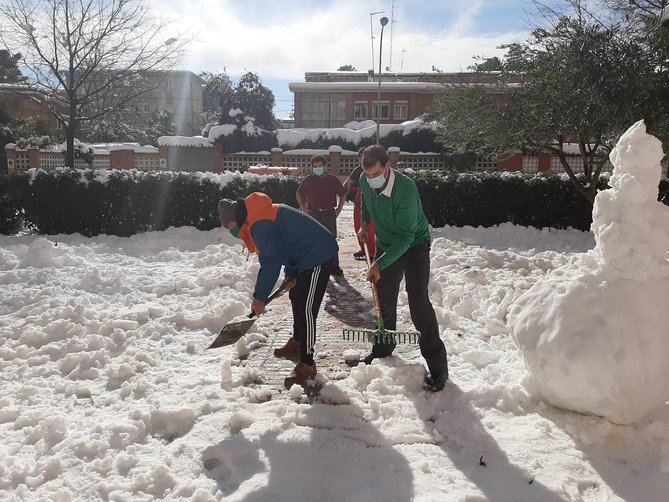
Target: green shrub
127, 202
10, 204
491, 198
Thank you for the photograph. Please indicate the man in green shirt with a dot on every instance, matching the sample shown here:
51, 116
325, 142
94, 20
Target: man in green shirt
391, 201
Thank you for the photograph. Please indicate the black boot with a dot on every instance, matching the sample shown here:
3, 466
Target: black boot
435, 383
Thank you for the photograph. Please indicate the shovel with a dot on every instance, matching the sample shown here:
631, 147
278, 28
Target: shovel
233, 331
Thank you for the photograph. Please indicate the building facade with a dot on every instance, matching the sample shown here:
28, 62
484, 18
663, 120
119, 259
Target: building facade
332, 99
21, 103
178, 92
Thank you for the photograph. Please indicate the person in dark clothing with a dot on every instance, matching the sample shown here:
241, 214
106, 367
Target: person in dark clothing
352, 184
317, 196
391, 200
284, 237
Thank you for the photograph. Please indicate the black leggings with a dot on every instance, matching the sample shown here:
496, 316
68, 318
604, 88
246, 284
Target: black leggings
306, 298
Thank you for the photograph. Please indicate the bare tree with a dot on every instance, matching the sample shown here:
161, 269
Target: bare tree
88, 58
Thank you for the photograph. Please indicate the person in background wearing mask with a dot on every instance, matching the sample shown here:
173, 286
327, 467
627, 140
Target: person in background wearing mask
282, 236
352, 184
317, 196
391, 200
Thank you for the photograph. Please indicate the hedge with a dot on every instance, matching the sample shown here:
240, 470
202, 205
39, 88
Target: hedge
73, 201
487, 199
418, 140
127, 202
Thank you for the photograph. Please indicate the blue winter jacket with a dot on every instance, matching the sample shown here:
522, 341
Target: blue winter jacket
284, 236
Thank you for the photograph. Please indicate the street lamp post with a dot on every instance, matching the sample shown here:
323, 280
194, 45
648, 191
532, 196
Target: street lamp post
384, 22
371, 30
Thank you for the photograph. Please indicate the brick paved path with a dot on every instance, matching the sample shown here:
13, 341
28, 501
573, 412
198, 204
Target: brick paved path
347, 303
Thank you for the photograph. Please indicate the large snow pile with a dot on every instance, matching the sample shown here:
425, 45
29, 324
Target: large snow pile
595, 333
107, 393
98, 371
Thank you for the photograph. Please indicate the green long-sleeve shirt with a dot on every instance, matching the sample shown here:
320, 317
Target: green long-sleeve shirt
399, 220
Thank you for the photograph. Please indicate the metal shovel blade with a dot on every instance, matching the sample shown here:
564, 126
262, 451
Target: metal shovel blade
231, 333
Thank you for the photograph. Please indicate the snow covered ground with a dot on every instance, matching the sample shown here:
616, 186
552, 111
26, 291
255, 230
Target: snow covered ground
106, 391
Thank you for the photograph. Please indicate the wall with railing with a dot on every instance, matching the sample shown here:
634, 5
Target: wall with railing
211, 158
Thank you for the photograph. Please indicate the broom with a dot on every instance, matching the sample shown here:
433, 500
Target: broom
380, 334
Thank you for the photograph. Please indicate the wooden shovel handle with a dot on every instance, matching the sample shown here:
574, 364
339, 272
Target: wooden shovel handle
375, 295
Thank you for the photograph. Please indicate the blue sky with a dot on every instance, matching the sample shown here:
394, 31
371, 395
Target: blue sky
282, 39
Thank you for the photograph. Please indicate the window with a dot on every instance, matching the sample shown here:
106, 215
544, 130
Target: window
145, 108
381, 110
401, 109
323, 109
360, 110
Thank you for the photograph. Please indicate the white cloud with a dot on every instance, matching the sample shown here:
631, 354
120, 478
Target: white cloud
287, 43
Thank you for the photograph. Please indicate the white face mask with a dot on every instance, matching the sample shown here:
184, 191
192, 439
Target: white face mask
377, 182
319, 171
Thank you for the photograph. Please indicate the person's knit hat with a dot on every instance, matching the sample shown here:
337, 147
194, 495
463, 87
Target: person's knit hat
230, 210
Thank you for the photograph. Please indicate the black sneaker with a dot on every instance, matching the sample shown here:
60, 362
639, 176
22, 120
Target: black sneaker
338, 272
434, 384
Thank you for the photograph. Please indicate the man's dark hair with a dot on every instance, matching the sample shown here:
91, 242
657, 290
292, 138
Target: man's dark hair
374, 154
319, 158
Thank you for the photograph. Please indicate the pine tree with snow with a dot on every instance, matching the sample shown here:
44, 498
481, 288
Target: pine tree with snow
9, 70
256, 100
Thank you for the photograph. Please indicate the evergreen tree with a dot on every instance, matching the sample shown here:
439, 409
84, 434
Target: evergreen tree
218, 96
9, 70
255, 100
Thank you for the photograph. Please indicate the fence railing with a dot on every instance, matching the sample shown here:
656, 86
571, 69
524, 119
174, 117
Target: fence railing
189, 158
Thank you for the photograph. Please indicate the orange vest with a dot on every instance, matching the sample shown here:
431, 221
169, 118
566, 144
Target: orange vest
259, 207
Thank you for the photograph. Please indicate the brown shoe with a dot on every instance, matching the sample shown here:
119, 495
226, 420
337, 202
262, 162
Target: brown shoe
289, 351
300, 375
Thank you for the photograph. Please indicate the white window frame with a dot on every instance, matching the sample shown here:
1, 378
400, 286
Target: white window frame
376, 105
366, 109
404, 104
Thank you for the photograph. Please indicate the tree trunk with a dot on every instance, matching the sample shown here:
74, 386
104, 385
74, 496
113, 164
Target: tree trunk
70, 131
590, 192
69, 153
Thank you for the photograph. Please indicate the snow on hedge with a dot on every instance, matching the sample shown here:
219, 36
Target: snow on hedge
95, 148
187, 141
103, 175
353, 132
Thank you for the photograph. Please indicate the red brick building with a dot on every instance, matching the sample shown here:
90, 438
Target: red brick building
332, 99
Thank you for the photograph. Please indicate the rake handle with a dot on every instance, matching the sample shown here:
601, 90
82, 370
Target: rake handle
375, 294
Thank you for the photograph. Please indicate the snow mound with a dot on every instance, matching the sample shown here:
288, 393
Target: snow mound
172, 423
594, 334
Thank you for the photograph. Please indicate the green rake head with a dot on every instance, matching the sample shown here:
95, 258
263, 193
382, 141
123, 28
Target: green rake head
380, 336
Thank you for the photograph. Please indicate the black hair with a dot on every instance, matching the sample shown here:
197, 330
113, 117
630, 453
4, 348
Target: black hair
319, 158
374, 154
